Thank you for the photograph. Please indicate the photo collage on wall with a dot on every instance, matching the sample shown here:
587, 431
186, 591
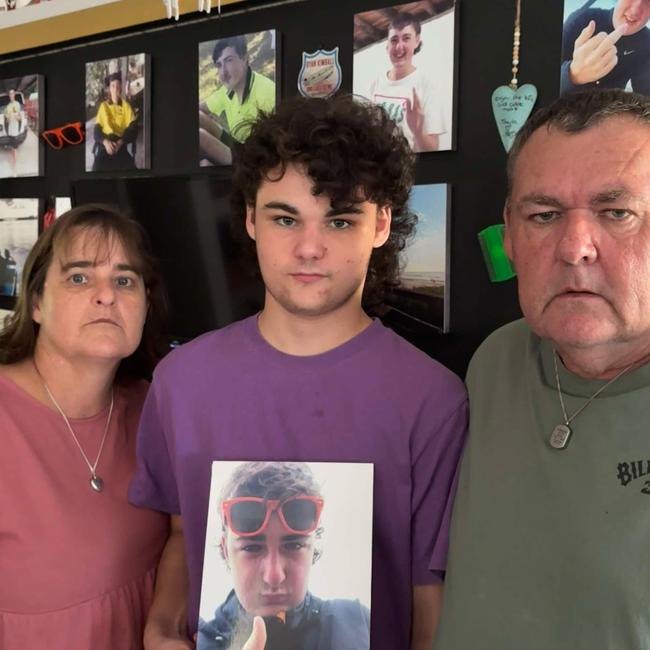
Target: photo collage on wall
404, 59
326, 535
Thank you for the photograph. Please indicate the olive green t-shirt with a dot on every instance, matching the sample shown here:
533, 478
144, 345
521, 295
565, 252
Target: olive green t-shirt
550, 549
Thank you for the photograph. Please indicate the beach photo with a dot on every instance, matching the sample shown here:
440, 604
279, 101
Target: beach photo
421, 301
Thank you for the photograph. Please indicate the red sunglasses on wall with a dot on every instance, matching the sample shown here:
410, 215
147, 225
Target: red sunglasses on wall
72, 133
248, 516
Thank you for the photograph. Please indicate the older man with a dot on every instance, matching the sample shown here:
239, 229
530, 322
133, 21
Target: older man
551, 523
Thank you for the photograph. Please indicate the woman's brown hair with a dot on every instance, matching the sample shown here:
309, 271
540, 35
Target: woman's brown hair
18, 338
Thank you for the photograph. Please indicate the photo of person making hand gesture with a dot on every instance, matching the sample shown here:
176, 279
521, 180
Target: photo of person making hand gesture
415, 91
606, 43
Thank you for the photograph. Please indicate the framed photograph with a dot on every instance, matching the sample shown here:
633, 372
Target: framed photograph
21, 121
237, 80
18, 233
285, 542
421, 302
622, 60
404, 60
118, 116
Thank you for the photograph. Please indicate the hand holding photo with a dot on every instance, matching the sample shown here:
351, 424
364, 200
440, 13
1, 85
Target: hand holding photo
268, 581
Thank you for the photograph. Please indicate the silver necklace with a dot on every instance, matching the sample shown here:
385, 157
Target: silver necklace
96, 482
562, 432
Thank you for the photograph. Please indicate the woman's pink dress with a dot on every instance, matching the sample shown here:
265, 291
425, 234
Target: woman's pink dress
77, 567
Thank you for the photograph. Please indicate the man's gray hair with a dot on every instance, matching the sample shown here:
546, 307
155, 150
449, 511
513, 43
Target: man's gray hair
577, 112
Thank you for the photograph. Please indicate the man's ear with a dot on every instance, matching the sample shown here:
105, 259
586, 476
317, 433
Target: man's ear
250, 221
382, 226
507, 241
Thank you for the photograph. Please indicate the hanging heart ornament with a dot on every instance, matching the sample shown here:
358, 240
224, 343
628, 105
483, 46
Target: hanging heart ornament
511, 109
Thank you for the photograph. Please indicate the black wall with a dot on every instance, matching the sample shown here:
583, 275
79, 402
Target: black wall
475, 170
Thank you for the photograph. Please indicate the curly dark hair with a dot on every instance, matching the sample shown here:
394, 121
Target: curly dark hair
349, 148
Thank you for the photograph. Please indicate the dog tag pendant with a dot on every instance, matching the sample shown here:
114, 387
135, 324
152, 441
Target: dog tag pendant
96, 483
560, 436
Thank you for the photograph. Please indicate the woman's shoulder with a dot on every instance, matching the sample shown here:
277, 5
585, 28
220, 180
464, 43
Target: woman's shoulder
18, 377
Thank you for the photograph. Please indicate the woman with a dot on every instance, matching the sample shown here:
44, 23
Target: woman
77, 561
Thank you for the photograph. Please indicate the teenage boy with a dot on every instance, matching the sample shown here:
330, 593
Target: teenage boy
321, 189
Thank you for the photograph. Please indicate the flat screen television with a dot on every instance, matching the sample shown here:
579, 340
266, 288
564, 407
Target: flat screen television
188, 221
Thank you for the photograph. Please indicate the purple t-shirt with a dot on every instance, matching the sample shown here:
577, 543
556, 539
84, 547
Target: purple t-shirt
229, 395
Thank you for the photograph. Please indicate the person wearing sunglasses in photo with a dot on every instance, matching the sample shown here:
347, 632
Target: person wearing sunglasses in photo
270, 513
77, 561
116, 126
321, 191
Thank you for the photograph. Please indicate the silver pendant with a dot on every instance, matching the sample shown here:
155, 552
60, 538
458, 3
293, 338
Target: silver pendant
96, 483
560, 437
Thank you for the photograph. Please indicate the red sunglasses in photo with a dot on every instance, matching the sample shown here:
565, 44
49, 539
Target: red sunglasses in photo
249, 516
72, 133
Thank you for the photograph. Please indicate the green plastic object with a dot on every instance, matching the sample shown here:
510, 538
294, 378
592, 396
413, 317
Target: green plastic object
496, 260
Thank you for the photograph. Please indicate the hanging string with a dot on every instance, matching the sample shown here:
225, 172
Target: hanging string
515, 46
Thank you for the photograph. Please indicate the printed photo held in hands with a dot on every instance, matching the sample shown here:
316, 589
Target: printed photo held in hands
287, 557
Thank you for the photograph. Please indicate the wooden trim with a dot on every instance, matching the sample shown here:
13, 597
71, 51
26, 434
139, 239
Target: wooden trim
87, 22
